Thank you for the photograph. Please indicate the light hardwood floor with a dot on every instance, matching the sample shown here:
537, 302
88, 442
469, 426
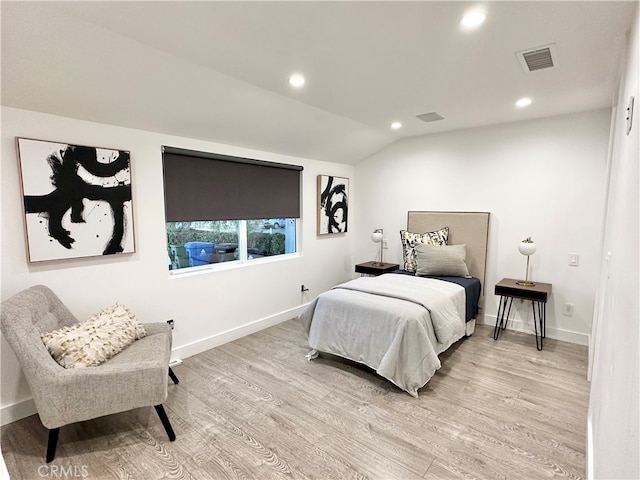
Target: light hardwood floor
257, 409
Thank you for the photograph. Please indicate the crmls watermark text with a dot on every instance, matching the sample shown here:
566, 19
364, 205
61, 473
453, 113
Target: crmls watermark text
62, 471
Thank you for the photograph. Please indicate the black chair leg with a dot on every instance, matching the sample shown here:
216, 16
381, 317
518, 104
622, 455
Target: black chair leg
165, 422
53, 441
173, 376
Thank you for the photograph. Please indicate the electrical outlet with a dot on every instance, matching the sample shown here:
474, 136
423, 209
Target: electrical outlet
303, 289
567, 309
385, 243
171, 323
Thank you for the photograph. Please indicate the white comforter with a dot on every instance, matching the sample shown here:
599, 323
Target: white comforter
395, 324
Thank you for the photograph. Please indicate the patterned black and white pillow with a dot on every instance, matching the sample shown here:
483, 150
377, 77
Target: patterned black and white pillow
410, 240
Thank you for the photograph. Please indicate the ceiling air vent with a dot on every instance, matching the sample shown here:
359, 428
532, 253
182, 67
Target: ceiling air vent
538, 58
430, 117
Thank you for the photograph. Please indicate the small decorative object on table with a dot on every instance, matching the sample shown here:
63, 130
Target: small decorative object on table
377, 236
527, 247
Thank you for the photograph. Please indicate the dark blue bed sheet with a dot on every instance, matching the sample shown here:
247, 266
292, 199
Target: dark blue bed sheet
472, 288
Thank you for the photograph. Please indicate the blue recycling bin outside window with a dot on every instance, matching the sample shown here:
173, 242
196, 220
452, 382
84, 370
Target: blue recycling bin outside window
199, 252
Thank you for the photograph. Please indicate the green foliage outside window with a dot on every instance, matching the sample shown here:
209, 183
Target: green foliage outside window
266, 243
263, 244
179, 233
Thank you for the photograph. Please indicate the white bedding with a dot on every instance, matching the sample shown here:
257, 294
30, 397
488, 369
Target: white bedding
395, 324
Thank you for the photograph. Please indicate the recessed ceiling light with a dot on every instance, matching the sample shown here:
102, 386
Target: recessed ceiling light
396, 125
523, 102
296, 80
473, 19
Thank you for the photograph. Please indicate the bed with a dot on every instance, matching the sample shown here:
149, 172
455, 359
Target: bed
398, 323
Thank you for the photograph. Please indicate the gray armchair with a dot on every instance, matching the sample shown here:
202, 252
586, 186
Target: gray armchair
135, 377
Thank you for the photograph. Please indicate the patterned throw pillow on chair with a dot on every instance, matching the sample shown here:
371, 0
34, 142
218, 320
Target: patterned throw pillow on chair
90, 343
410, 240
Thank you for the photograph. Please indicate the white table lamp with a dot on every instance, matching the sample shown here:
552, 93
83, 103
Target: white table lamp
527, 247
377, 236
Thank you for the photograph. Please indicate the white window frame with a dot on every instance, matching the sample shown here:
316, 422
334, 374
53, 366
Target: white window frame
243, 260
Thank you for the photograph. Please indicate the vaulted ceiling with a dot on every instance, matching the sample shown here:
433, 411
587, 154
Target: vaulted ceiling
219, 71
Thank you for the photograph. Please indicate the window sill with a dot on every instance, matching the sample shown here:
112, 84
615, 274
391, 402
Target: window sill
234, 265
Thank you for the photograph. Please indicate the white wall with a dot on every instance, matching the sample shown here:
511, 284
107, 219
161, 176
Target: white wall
542, 178
208, 308
614, 407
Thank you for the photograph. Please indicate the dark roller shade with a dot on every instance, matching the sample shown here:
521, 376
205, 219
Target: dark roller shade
201, 186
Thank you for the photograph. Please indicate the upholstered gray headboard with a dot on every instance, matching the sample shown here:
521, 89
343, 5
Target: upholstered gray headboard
469, 228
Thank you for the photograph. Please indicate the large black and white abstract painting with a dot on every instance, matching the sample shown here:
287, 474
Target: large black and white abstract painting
333, 204
77, 200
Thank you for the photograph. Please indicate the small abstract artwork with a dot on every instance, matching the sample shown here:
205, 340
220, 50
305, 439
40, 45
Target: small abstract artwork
77, 200
333, 204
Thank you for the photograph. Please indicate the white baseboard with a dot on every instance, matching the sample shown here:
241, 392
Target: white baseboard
518, 325
208, 343
17, 411
13, 413
590, 453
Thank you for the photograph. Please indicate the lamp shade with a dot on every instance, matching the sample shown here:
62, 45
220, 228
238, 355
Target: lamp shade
527, 247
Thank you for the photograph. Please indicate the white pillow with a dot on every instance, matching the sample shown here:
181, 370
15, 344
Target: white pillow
442, 260
89, 343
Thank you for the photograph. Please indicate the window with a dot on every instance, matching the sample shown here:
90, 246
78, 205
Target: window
228, 209
193, 244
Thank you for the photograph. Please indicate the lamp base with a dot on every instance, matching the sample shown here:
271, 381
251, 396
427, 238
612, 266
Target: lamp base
525, 283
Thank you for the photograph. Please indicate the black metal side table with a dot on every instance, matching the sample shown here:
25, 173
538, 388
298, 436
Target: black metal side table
538, 293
